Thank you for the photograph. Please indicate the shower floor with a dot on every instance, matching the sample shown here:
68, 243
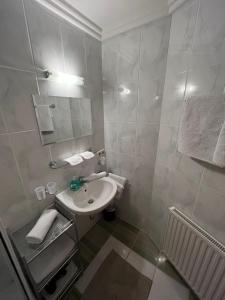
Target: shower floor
137, 249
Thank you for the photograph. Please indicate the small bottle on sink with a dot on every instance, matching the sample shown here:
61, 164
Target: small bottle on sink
75, 184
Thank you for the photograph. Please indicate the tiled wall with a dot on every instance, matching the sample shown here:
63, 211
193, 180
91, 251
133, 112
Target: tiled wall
33, 39
135, 60
196, 64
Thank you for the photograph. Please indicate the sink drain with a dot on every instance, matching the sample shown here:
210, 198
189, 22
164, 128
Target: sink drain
90, 201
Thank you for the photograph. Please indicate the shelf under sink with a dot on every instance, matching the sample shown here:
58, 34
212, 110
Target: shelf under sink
30, 252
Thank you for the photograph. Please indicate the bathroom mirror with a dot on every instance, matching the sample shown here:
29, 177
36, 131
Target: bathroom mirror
61, 119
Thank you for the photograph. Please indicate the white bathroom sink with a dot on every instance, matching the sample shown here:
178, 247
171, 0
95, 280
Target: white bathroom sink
92, 198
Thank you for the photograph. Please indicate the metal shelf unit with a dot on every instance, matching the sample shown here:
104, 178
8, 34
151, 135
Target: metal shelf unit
42, 263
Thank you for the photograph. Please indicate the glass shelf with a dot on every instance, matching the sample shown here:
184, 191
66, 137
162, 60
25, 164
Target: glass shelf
30, 252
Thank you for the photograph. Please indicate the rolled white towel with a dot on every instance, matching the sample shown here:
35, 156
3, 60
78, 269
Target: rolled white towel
94, 176
42, 226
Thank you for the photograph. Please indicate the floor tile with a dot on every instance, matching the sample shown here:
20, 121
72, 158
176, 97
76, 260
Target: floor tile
145, 247
116, 279
138, 249
86, 255
108, 225
95, 238
192, 296
125, 232
164, 287
111, 244
73, 294
168, 269
120, 248
141, 265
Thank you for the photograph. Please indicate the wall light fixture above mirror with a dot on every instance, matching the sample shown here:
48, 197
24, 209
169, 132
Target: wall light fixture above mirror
62, 119
63, 78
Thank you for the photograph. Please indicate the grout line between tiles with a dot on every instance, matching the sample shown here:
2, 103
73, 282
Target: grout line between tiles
134, 122
17, 132
16, 69
28, 33
31, 48
195, 27
62, 45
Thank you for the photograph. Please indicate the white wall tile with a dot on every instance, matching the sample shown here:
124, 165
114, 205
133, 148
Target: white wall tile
137, 61
56, 46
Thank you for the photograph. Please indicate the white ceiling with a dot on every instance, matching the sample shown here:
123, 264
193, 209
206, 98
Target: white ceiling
118, 15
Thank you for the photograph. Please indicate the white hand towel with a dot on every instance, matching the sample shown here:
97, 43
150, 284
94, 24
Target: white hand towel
45, 121
74, 160
87, 155
42, 226
120, 182
201, 124
94, 176
119, 179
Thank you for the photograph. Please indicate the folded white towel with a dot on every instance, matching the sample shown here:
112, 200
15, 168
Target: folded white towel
94, 176
42, 226
74, 160
120, 182
44, 116
201, 125
87, 155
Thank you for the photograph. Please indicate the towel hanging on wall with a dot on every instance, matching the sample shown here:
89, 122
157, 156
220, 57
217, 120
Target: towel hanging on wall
202, 129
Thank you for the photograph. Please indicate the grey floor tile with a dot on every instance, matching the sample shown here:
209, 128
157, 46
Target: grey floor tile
139, 241
126, 233
168, 269
145, 247
95, 238
73, 294
108, 226
86, 255
193, 296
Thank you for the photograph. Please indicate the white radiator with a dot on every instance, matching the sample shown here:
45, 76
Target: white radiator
197, 256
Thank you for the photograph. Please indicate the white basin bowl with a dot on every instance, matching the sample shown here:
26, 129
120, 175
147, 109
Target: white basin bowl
92, 198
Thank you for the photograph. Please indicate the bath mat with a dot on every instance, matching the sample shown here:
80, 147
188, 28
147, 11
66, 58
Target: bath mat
117, 280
